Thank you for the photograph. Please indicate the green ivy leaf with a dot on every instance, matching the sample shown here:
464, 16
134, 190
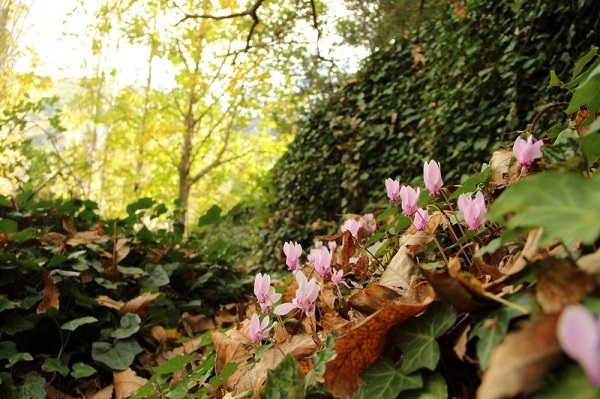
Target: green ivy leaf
590, 144
130, 324
573, 384
17, 357
82, 370
33, 388
285, 381
157, 276
54, 365
385, 381
174, 364
226, 372
212, 216
492, 328
118, 356
8, 226
434, 387
472, 183
565, 204
7, 349
417, 337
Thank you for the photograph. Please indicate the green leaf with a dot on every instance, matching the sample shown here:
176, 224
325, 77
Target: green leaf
157, 276
417, 337
17, 357
590, 144
173, 364
6, 304
573, 384
554, 80
434, 387
472, 183
8, 226
130, 324
82, 370
212, 216
54, 365
33, 388
583, 61
226, 372
7, 349
491, 329
321, 358
118, 356
23, 235
285, 381
131, 270
385, 381
565, 204
142, 203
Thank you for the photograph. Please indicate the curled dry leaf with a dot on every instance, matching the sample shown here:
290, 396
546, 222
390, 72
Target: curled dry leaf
49, 296
361, 347
361, 268
136, 305
104, 393
372, 298
349, 246
518, 364
397, 274
560, 283
590, 262
86, 237
331, 320
127, 383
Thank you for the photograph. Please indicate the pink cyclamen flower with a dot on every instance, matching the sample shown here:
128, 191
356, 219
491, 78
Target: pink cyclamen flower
352, 226
367, 223
306, 295
527, 151
265, 294
578, 334
474, 210
421, 219
336, 277
409, 197
332, 246
318, 244
393, 189
292, 252
258, 328
433, 177
322, 261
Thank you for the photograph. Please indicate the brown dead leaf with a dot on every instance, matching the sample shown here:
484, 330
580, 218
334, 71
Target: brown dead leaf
361, 268
499, 163
230, 345
459, 8
49, 295
349, 246
56, 238
331, 320
85, 237
559, 283
53, 393
109, 302
418, 241
139, 304
197, 324
372, 298
458, 293
226, 315
69, 226
398, 273
362, 346
460, 347
127, 383
520, 361
104, 393
590, 262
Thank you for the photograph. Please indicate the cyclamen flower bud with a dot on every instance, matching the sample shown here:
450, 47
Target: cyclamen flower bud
433, 177
474, 210
292, 252
393, 189
258, 329
409, 197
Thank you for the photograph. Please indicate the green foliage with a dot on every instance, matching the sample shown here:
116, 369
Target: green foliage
482, 75
58, 269
571, 199
384, 380
285, 381
417, 338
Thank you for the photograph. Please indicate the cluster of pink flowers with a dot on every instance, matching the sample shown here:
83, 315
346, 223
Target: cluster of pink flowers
474, 210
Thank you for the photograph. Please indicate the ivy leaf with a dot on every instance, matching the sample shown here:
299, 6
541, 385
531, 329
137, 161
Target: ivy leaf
73, 324
157, 276
82, 370
32, 388
226, 372
130, 324
385, 381
285, 381
417, 337
472, 183
434, 387
17, 357
573, 384
8, 226
565, 204
54, 365
491, 329
173, 364
118, 356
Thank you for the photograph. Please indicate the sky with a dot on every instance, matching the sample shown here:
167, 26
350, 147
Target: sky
62, 54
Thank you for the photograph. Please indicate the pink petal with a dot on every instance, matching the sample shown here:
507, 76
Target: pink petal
285, 308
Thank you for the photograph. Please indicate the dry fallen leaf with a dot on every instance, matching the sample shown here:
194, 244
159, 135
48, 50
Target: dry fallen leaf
127, 383
559, 283
104, 393
349, 246
49, 296
361, 347
331, 320
460, 347
397, 274
86, 237
139, 304
590, 262
520, 361
372, 298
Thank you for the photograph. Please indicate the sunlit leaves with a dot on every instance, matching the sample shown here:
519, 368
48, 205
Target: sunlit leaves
571, 199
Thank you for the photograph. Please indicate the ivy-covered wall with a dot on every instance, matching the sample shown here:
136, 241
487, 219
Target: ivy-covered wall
450, 91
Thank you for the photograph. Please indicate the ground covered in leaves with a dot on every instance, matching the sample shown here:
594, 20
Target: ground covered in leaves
452, 308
